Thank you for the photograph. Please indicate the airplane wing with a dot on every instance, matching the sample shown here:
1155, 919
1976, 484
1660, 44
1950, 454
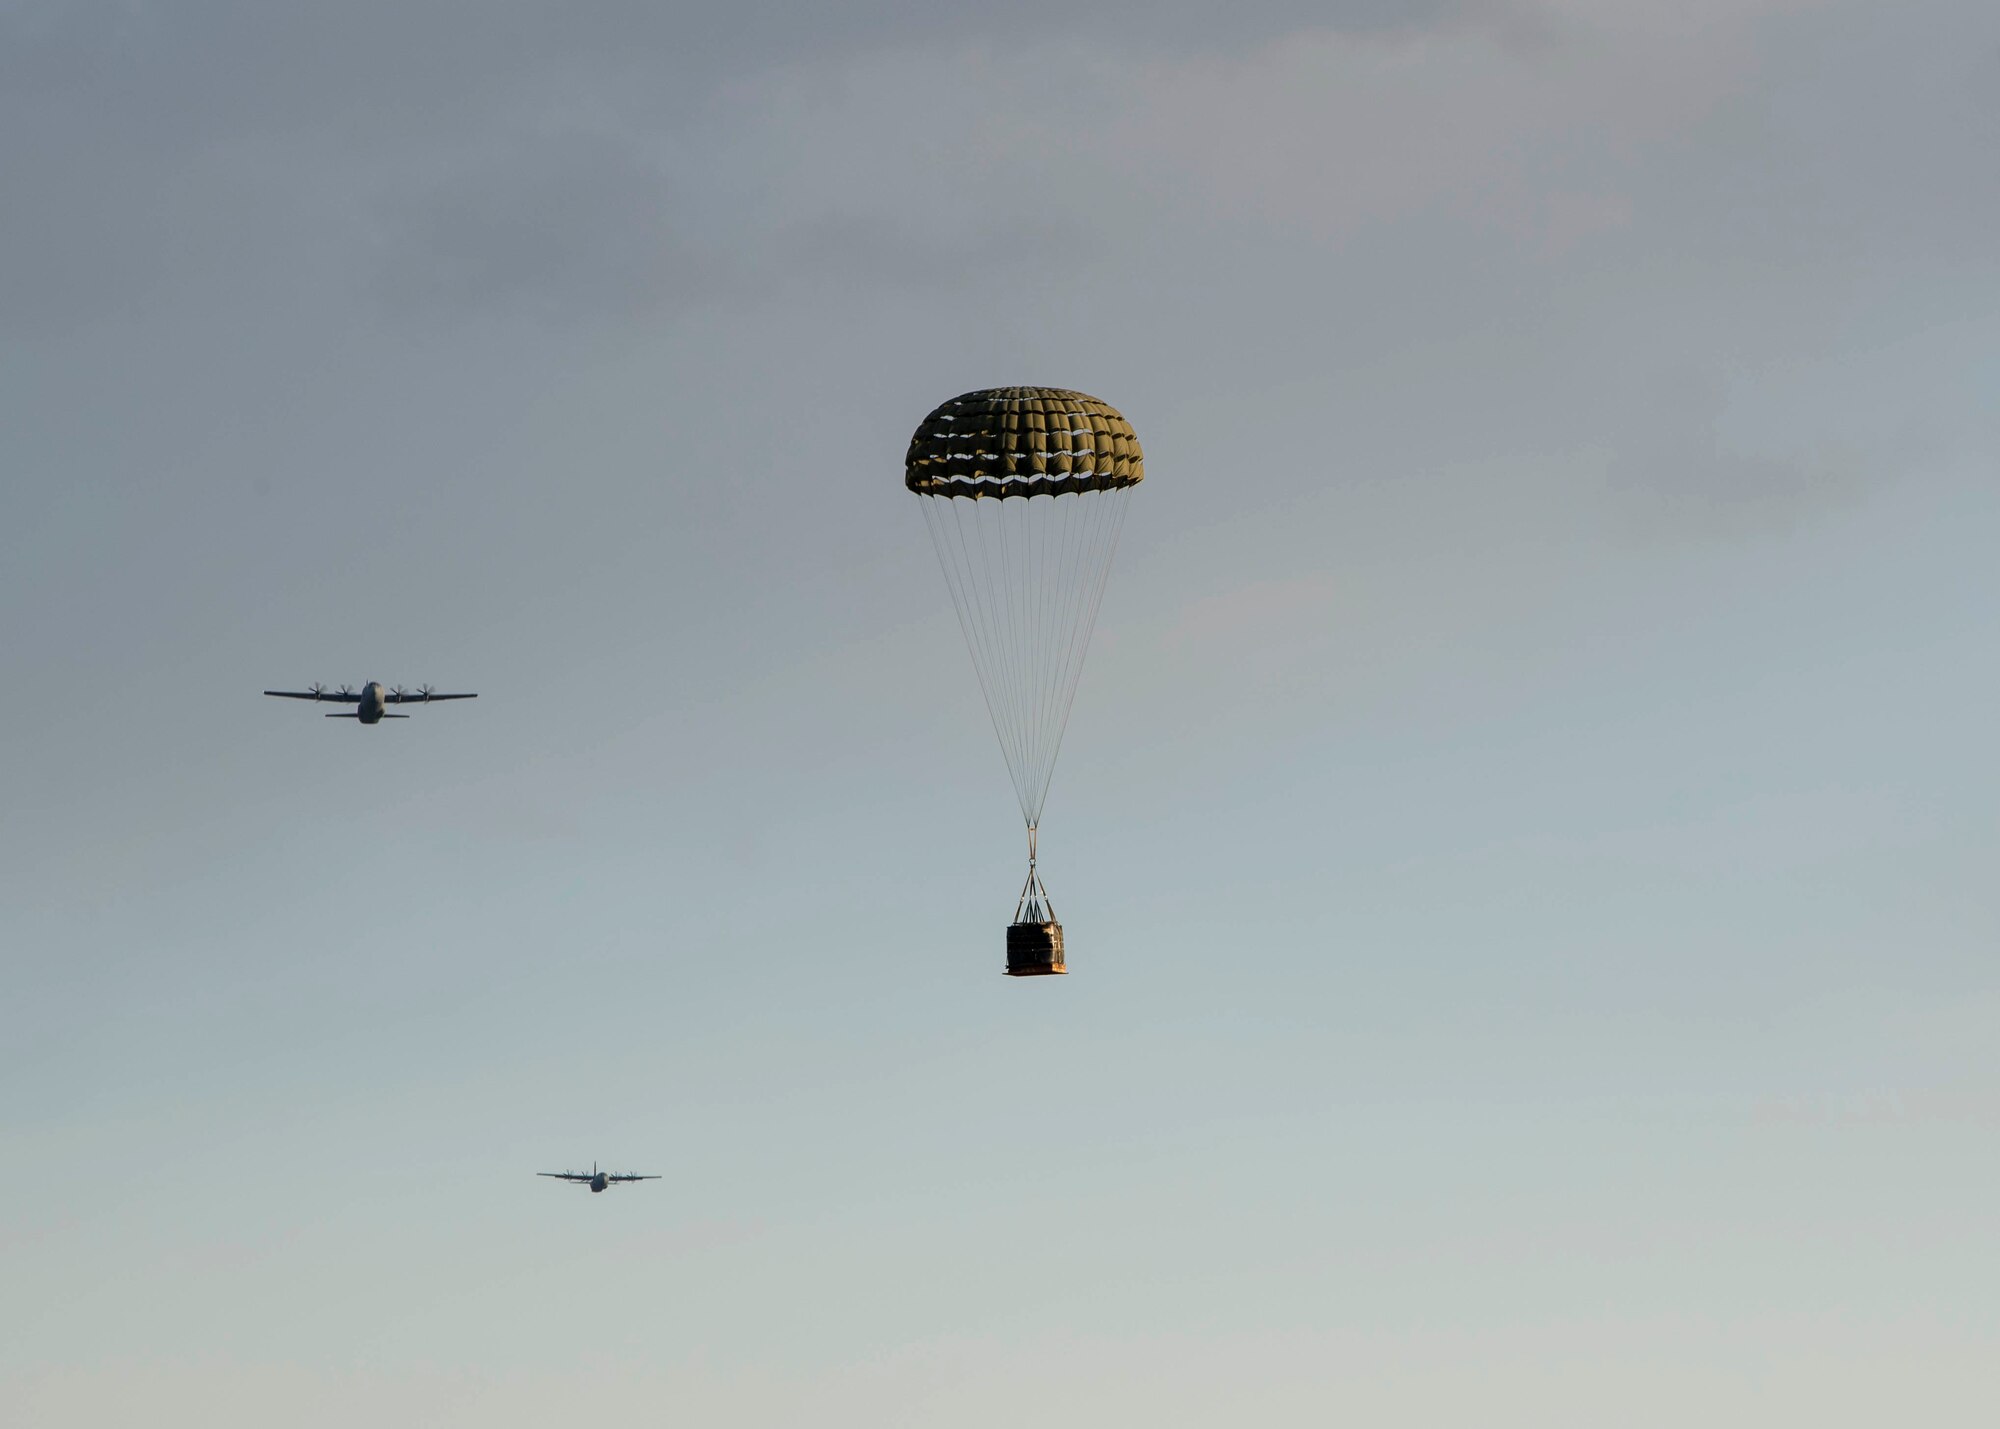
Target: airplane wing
345, 699
566, 1175
418, 697
631, 1178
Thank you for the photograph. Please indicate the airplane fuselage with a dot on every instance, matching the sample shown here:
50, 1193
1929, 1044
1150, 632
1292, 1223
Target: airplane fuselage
598, 1183
374, 703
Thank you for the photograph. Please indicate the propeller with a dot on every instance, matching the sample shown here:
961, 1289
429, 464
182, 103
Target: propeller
346, 691
426, 691
317, 689
396, 690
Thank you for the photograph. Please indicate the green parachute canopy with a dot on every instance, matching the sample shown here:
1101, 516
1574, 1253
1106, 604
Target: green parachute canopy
1023, 441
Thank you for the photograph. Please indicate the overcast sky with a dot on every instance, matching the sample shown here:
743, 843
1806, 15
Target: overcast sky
1525, 838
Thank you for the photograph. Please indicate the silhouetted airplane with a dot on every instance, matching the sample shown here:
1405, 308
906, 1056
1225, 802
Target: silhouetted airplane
595, 1179
373, 700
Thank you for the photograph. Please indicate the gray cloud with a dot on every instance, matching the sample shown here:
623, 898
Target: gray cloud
135, 139
883, 251
566, 229
212, 67
140, 144
1268, 193
1677, 473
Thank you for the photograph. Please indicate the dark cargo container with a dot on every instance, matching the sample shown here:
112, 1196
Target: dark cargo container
1034, 950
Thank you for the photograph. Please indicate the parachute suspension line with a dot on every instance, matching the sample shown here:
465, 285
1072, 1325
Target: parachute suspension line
1060, 558
975, 585
1027, 576
968, 576
1035, 905
1092, 575
1083, 545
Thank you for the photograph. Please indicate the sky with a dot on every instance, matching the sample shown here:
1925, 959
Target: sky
1524, 839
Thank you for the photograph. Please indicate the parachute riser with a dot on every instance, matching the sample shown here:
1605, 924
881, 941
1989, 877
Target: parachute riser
1034, 906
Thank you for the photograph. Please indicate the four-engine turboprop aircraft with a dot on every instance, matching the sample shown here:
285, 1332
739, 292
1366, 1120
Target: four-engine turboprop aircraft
595, 1179
373, 701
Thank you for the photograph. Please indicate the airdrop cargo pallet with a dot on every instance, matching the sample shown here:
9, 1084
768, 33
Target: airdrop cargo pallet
1034, 950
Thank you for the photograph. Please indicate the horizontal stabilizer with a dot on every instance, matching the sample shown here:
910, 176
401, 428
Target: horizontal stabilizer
344, 716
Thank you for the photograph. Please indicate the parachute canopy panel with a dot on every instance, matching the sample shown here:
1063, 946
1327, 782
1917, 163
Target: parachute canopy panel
1023, 441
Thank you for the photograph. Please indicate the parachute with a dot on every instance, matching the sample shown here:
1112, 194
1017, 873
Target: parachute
1026, 576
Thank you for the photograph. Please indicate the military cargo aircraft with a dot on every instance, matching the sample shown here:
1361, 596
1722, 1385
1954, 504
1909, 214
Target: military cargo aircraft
371, 705
595, 1179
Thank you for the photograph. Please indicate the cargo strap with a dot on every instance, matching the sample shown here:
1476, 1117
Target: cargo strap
1034, 906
